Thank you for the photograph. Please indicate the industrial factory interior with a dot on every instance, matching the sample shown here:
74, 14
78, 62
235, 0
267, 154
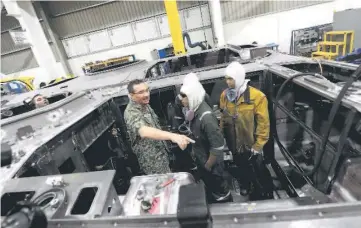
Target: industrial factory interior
180, 113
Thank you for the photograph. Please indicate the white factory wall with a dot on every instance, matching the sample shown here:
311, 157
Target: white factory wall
277, 28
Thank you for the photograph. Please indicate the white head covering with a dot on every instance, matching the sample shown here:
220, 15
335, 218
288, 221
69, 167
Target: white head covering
194, 91
189, 78
236, 71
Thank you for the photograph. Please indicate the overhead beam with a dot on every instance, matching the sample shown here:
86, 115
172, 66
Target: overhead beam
175, 26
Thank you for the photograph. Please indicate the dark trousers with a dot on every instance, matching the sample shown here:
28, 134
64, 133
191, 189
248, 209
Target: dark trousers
183, 160
214, 183
242, 172
131, 161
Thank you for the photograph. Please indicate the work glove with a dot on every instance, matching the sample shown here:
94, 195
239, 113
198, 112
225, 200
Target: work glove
254, 154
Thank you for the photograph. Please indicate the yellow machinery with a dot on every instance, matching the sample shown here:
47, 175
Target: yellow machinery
56, 80
106, 64
26, 83
175, 26
330, 47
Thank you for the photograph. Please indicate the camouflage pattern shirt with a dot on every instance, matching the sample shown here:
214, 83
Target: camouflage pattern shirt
152, 154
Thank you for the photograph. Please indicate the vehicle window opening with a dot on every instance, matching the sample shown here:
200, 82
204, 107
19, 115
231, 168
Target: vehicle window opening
30, 172
84, 201
67, 167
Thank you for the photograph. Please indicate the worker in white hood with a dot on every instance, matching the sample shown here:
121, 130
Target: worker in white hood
192, 78
195, 92
209, 142
245, 121
236, 81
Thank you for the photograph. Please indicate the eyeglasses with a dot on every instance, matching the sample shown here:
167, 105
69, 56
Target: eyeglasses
182, 95
142, 91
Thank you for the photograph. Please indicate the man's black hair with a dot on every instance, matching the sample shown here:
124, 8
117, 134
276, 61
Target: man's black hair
133, 83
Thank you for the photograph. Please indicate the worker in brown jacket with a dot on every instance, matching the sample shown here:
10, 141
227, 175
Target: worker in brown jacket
245, 120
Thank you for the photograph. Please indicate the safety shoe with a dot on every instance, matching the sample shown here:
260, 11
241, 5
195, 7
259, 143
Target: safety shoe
223, 198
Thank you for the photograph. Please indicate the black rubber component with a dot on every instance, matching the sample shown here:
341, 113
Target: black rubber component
6, 154
193, 210
218, 88
193, 45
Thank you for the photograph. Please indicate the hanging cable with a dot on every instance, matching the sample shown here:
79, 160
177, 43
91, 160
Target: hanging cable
319, 64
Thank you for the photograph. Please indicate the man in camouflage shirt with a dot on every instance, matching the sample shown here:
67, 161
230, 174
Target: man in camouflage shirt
144, 130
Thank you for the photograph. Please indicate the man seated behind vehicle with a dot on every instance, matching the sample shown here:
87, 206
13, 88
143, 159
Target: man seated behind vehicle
209, 142
38, 101
146, 136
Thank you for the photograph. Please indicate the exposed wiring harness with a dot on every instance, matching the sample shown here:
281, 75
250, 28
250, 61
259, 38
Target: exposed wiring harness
356, 75
319, 64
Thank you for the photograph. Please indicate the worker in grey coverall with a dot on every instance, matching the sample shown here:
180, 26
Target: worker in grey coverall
209, 142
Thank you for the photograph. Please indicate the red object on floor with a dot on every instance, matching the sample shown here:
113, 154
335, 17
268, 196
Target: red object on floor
155, 209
